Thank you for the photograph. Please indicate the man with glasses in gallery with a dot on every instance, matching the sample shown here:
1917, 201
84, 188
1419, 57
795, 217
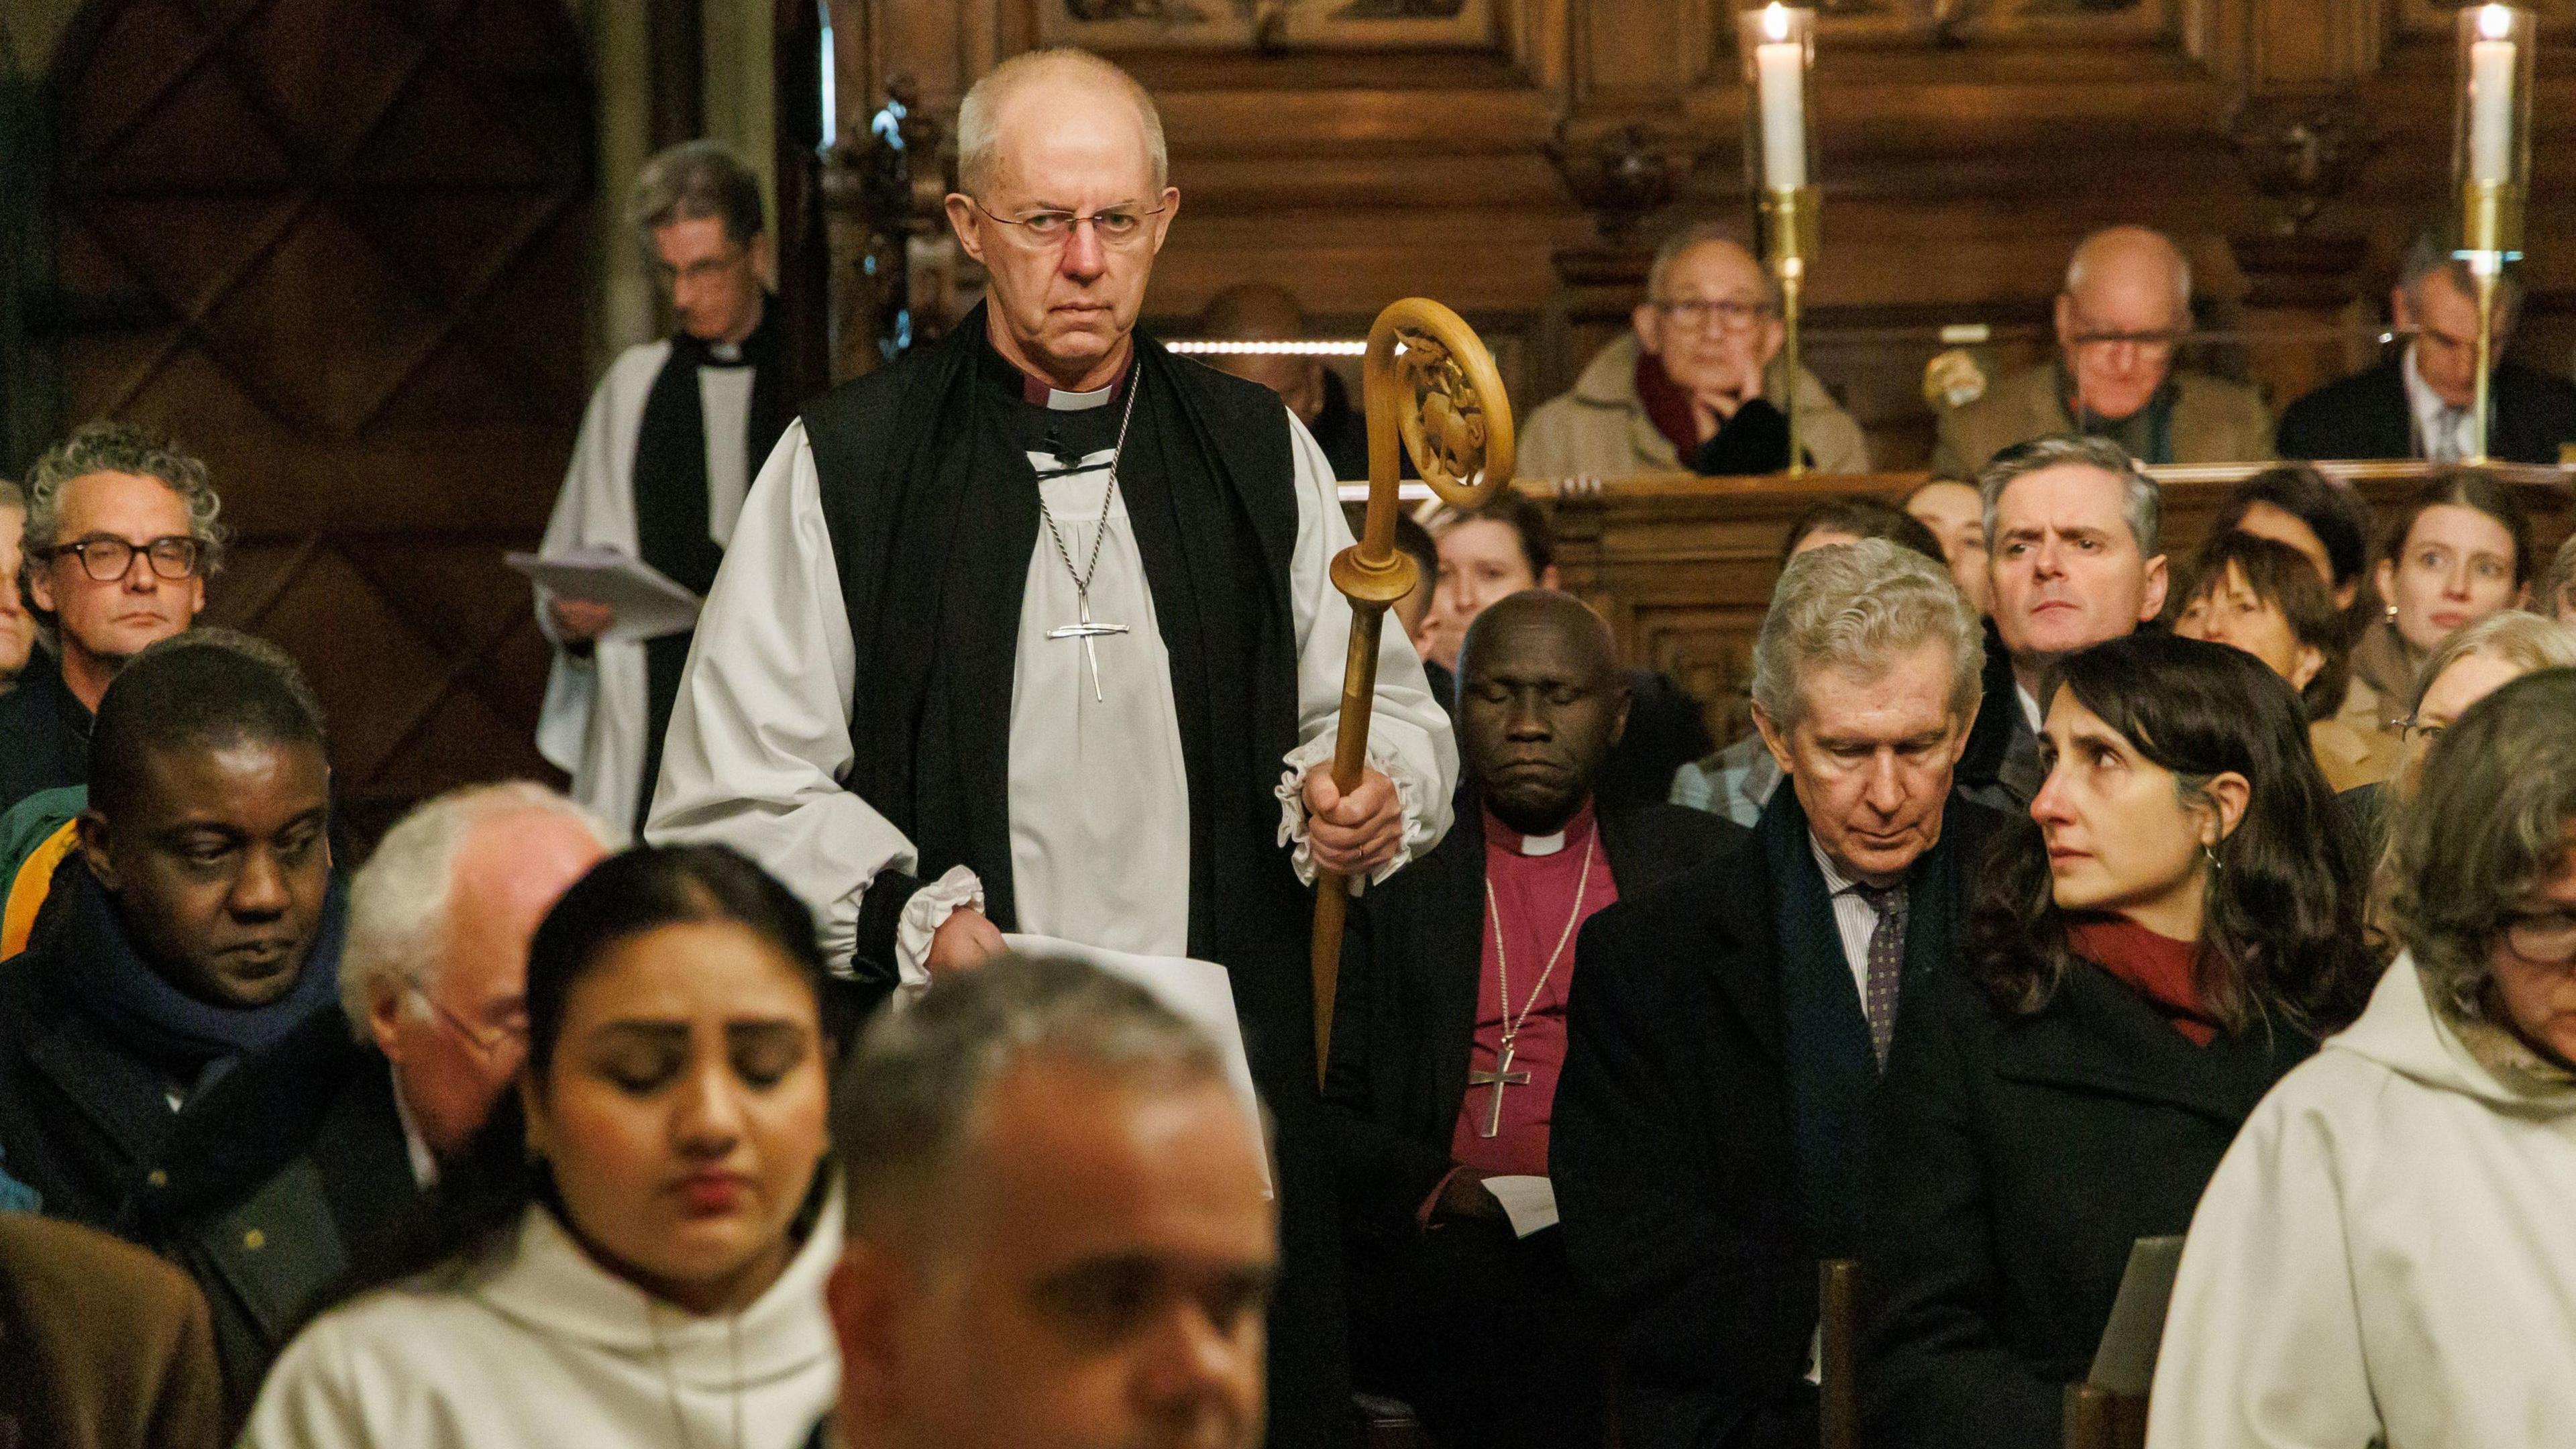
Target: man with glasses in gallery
2126, 306
120, 539
1033, 631
1697, 386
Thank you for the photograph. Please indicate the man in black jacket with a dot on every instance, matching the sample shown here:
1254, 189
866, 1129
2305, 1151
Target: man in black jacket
2416, 404
1449, 1028
1712, 1123
159, 1054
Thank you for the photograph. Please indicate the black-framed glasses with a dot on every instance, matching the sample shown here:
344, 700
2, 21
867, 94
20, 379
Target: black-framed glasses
2543, 938
1114, 225
2143, 341
108, 559
1726, 315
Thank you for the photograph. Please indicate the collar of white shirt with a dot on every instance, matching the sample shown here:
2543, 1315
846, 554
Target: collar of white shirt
424, 1163
2029, 707
2432, 415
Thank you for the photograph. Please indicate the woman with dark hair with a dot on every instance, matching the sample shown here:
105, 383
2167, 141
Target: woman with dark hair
2169, 934
2460, 552
2296, 505
655, 1277
2383, 1257
2253, 593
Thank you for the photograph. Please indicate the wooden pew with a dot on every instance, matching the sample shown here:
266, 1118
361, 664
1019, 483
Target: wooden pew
1838, 1353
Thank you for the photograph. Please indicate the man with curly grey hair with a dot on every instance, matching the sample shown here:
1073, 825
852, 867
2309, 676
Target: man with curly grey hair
121, 536
667, 451
1712, 1119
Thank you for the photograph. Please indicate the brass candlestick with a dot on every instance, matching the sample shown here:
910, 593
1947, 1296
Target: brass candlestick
2490, 232
1789, 219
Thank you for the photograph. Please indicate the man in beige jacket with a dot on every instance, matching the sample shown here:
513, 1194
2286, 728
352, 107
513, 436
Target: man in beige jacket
1696, 387
2127, 302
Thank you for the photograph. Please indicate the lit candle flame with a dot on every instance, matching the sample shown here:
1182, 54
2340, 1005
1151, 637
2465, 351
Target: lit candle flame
2495, 22
1775, 20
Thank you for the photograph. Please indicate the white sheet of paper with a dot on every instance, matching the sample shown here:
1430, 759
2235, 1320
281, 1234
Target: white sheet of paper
648, 604
2126, 1361
1530, 1202
1197, 991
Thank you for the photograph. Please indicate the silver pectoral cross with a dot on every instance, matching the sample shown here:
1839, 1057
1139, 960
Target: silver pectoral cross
1500, 1077
1087, 631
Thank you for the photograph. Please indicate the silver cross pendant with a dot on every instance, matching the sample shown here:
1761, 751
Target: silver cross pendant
1087, 631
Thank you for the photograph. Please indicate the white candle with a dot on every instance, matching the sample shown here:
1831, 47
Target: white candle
1782, 68
2490, 110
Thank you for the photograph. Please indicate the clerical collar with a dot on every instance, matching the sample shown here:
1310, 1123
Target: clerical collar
1576, 831
1038, 392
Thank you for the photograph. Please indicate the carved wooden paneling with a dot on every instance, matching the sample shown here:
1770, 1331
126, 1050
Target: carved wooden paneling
363, 224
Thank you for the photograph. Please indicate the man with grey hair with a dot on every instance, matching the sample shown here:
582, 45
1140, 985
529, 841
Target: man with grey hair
666, 453
2075, 556
2125, 307
120, 538
435, 972
1712, 1120
1058, 1232
1033, 630
2417, 403
1697, 385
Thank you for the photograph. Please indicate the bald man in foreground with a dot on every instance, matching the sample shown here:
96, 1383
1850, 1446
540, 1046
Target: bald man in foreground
2126, 306
1697, 385
1058, 1234
1449, 1028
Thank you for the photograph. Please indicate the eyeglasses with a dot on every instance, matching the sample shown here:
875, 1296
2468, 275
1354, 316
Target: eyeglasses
1116, 226
2148, 342
1728, 316
2420, 736
490, 1041
2543, 938
108, 559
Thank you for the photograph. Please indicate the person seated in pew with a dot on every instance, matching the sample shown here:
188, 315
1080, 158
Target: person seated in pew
2170, 933
1266, 312
120, 537
1449, 1029
2126, 304
1507, 546
652, 1271
2461, 551
2077, 557
152, 1056
2417, 404
1736, 782
2381, 1258
1957, 517
2555, 594
1697, 385
1730, 1024
1059, 1228
2260, 596
2331, 528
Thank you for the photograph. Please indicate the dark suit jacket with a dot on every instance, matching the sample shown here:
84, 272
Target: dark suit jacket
2014, 1161
44, 733
1711, 1122
1665, 732
102, 1346
2366, 415
2000, 767
1405, 1014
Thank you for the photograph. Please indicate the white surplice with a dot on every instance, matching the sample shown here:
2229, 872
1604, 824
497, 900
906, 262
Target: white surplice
1099, 798
592, 726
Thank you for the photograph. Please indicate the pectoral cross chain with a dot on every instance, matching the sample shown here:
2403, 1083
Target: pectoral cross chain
1087, 631
1500, 1077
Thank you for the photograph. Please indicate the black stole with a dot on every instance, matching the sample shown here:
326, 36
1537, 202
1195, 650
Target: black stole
932, 508
1825, 1033
672, 529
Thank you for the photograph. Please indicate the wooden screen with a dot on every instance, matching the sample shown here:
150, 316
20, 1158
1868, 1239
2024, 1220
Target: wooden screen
358, 229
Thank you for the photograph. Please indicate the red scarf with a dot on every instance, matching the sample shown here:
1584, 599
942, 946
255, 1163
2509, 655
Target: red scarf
2158, 968
1668, 406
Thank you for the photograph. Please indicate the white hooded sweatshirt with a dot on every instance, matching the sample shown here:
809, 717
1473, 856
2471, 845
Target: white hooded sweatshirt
2387, 1255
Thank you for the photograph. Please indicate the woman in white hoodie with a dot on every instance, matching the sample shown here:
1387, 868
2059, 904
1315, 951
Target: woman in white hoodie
656, 1279
2387, 1255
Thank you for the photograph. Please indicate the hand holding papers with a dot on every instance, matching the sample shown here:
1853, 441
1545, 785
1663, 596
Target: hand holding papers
648, 604
1197, 991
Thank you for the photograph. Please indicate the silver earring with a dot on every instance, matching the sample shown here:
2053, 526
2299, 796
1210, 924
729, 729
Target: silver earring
2392, 613
2210, 853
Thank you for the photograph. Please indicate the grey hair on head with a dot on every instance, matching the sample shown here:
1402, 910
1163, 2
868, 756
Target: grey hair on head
913, 1093
2525, 640
1855, 608
692, 180
402, 902
2142, 503
2080, 262
2554, 594
2430, 251
2489, 822
113, 447
979, 142
1692, 237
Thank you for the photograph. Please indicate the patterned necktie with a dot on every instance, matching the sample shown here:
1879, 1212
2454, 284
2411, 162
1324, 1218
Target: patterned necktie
2446, 434
1886, 963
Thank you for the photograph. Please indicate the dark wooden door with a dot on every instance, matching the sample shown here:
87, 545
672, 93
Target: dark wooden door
363, 225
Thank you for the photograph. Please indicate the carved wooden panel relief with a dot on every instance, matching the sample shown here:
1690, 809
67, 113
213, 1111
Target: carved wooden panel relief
1133, 25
